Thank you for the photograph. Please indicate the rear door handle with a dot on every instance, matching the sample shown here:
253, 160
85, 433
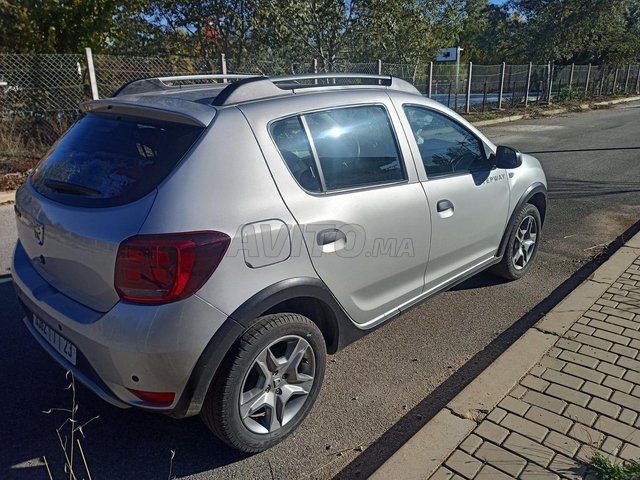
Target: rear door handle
444, 205
331, 235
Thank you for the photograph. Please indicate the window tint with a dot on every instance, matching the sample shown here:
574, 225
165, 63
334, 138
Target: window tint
107, 160
446, 146
293, 144
355, 147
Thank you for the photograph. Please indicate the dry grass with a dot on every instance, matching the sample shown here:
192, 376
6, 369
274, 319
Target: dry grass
23, 141
69, 434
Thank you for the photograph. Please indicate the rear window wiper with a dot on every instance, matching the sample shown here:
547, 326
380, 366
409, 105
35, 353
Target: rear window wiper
71, 188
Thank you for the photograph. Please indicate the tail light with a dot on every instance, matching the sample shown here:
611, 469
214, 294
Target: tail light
166, 268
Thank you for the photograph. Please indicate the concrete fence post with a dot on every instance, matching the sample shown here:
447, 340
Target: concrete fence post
626, 80
223, 66
638, 81
92, 74
573, 67
501, 85
315, 69
615, 81
526, 94
586, 83
549, 82
468, 106
379, 67
430, 78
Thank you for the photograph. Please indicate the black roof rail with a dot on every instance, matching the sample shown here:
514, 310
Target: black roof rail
146, 85
257, 88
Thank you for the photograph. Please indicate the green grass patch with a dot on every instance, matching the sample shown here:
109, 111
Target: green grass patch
608, 470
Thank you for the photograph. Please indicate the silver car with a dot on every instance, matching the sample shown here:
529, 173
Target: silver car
199, 244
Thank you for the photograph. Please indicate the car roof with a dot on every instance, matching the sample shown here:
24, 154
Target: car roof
195, 98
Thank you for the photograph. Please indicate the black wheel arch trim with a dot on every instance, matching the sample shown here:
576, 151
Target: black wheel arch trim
534, 189
337, 323
342, 332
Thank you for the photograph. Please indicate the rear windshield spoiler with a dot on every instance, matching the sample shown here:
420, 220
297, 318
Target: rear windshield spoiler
165, 109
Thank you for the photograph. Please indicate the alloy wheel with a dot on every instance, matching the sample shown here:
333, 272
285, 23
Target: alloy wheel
525, 242
277, 385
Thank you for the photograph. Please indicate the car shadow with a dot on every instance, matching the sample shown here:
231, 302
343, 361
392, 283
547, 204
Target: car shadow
480, 280
117, 444
396, 436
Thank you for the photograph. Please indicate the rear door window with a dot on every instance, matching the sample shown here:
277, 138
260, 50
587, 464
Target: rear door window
294, 147
340, 148
356, 147
107, 160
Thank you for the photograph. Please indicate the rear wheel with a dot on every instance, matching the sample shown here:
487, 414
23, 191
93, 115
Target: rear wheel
522, 246
269, 383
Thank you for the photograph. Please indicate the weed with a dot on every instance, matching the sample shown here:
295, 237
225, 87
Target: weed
608, 470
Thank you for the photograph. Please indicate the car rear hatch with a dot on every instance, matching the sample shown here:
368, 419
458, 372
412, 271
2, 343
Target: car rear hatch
92, 190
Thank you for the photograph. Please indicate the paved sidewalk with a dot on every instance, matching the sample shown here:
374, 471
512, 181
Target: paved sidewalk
580, 397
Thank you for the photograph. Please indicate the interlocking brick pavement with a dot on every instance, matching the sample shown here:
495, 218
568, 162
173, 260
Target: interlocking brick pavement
582, 397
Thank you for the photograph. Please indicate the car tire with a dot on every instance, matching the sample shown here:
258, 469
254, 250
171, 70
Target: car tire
522, 245
258, 397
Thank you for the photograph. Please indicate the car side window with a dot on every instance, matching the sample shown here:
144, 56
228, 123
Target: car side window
446, 147
356, 147
293, 144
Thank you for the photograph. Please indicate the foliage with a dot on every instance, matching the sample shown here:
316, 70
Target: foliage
607, 470
598, 31
405, 31
569, 94
399, 31
51, 26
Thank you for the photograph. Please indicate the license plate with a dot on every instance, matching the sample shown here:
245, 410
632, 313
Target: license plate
63, 346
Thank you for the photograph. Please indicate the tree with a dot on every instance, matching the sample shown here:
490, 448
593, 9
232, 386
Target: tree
578, 31
492, 33
50, 26
406, 30
307, 29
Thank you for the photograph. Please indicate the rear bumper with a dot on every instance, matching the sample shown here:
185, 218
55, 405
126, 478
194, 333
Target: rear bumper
82, 371
153, 348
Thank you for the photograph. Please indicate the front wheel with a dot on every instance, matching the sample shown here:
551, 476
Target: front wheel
269, 383
522, 246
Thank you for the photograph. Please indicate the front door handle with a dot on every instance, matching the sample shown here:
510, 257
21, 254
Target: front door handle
330, 235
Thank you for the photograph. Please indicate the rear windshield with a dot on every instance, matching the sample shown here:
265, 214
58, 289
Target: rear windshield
106, 160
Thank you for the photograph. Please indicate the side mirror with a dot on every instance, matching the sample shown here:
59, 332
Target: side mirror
508, 157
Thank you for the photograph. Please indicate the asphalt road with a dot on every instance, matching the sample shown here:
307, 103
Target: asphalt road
381, 389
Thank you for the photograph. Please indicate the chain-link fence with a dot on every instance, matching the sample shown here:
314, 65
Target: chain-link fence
39, 98
114, 71
40, 85
40, 94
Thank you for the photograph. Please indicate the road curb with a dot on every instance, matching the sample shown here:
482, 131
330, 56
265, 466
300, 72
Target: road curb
7, 197
495, 121
423, 453
557, 111
616, 102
